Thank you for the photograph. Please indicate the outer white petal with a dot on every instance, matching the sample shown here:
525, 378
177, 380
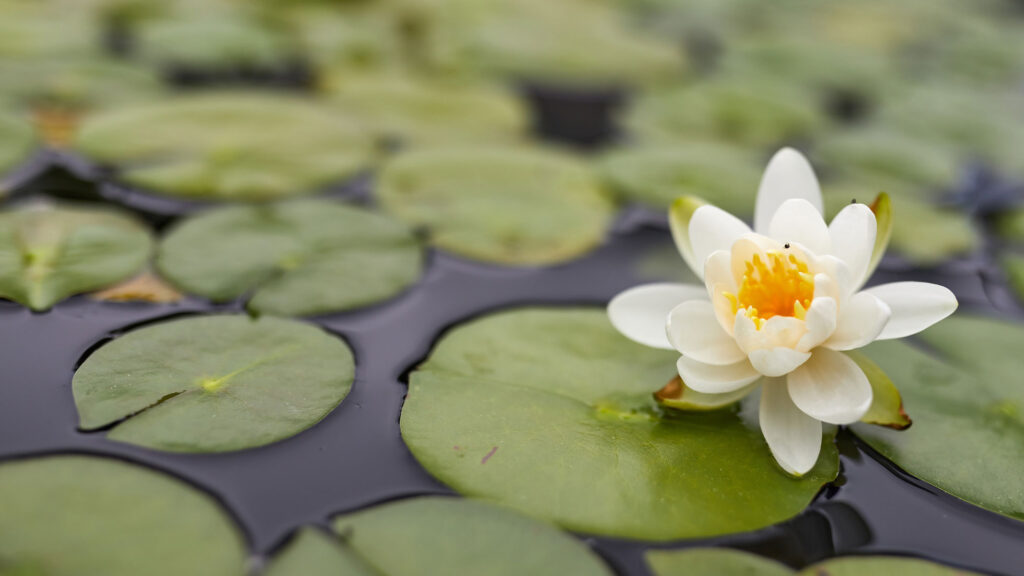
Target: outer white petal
853, 233
777, 361
860, 322
793, 437
798, 221
711, 379
788, 175
694, 331
640, 312
831, 387
914, 305
821, 321
713, 229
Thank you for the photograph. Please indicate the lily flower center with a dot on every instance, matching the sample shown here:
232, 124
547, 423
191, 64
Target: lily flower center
778, 285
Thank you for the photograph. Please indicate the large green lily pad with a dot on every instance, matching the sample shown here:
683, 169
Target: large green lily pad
508, 206
314, 553
722, 175
294, 258
550, 411
725, 562
16, 143
231, 146
438, 535
968, 434
213, 384
49, 253
75, 515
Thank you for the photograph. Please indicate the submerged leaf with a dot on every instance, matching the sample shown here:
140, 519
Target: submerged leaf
229, 146
438, 535
213, 384
294, 258
507, 206
549, 411
75, 515
48, 254
968, 432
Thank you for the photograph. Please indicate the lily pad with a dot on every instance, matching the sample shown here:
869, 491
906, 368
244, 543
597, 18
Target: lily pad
656, 175
294, 258
216, 39
420, 113
438, 535
314, 553
48, 253
968, 433
508, 206
16, 143
213, 384
725, 562
551, 412
229, 146
74, 515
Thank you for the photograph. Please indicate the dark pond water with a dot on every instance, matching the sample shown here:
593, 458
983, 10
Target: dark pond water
355, 457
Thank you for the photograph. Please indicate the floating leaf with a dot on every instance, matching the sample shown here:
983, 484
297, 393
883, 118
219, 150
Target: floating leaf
657, 175
294, 258
438, 535
16, 143
968, 433
506, 206
228, 146
206, 40
213, 384
880, 153
725, 562
48, 254
313, 553
74, 515
423, 113
551, 412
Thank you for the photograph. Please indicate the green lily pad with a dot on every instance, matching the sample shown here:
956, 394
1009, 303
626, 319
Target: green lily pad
725, 562
75, 83
508, 206
230, 146
49, 253
883, 154
1013, 266
656, 175
314, 553
420, 113
438, 535
74, 515
550, 411
968, 433
213, 384
212, 39
16, 144
294, 258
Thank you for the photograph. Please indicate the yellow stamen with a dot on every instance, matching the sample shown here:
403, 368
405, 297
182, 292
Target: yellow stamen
782, 286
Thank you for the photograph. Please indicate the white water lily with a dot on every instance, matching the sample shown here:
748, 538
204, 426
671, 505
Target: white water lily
779, 306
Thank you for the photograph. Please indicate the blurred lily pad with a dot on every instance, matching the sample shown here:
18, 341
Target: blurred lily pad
550, 411
438, 535
881, 153
419, 113
508, 206
966, 401
212, 39
293, 258
16, 144
213, 384
49, 253
73, 515
230, 146
75, 83
656, 175
726, 562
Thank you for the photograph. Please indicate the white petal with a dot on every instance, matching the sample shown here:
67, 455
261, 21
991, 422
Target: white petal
713, 229
784, 331
793, 437
860, 322
831, 387
853, 233
821, 321
679, 215
694, 331
724, 311
711, 379
798, 221
777, 361
718, 270
788, 175
640, 313
745, 332
914, 305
